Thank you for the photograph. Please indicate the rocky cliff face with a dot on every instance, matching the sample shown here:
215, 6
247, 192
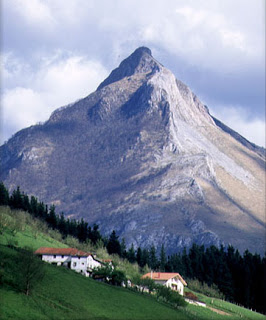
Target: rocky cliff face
142, 155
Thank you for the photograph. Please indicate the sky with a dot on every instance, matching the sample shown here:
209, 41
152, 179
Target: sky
54, 52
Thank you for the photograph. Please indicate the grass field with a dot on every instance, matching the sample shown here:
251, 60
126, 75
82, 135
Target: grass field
64, 294
223, 309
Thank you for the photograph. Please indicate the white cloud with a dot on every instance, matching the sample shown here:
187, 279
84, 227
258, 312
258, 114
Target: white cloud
22, 107
223, 37
241, 121
34, 12
204, 37
57, 81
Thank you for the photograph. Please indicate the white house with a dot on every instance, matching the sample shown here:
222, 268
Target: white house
80, 261
170, 280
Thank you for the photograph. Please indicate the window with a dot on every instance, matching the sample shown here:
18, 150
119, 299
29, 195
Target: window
62, 256
54, 256
82, 263
74, 264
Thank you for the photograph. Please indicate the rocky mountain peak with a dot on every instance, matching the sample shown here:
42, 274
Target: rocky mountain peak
143, 156
140, 61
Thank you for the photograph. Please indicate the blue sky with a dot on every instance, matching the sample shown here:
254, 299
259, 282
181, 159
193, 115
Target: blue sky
54, 52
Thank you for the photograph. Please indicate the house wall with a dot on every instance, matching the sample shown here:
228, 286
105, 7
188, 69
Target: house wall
79, 264
58, 259
93, 263
175, 282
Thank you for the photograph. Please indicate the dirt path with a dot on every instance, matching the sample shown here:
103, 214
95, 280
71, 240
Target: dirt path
219, 311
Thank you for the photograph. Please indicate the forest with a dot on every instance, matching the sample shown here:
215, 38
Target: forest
240, 278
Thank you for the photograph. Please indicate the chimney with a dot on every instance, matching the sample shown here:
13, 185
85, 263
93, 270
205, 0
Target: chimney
151, 274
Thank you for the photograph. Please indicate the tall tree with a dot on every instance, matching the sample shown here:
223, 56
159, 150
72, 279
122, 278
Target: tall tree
62, 225
113, 245
52, 218
163, 259
82, 230
94, 234
153, 262
123, 249
15, 201
4, 195
131, 255
30, 271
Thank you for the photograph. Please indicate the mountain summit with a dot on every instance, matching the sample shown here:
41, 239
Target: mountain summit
142, 155
140, 61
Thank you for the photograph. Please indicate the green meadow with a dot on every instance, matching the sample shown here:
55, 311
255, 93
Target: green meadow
64, 294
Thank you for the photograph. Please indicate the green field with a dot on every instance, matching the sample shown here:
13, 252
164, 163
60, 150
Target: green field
64, 294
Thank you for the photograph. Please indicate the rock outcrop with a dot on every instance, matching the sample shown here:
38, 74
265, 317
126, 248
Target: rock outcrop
142, 155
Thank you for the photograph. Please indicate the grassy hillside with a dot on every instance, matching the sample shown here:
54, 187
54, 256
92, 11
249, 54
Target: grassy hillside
64, 294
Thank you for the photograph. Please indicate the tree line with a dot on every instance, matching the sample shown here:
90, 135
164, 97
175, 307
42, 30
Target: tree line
240, 278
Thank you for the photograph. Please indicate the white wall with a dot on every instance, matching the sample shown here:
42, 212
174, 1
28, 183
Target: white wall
176, 282
79, 264
59, 259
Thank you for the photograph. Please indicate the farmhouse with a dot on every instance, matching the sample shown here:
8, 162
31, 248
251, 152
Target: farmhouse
80, 261
171, 280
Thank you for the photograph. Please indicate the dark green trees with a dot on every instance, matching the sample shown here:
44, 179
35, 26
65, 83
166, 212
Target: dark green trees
4, 195
113, 245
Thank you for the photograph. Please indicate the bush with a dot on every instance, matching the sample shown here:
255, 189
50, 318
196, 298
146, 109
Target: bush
191, 296
174, 298
210, 291
110, 275
20, 269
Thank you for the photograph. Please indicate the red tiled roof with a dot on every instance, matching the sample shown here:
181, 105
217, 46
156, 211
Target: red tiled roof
62, 251
164, 276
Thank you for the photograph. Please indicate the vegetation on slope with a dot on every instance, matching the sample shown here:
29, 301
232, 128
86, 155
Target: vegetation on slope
239, 278
64, 294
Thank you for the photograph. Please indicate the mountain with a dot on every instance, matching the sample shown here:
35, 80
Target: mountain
142, 155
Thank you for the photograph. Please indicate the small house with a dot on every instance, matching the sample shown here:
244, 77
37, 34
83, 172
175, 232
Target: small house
80, 261
171, 280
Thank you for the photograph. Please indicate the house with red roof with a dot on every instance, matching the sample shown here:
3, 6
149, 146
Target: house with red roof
80, 261
171, 280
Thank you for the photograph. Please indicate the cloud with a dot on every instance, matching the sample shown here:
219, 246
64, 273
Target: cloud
59, 80
35, 13
240, 120
217, 47
206, 37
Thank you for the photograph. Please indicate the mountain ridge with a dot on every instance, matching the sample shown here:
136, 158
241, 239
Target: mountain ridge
142, 155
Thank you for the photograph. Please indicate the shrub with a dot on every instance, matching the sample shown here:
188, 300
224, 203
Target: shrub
174, 298
110, 275
191, 295
210, 291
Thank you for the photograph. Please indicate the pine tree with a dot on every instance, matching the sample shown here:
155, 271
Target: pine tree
163, 259
113, 245
187, 264
131, 255
153, 262
4, 195
62, 225
15, 200
82, 231
52, 218
196, 259
95, 235
139, 257
123, 249
25, 202
33, 206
